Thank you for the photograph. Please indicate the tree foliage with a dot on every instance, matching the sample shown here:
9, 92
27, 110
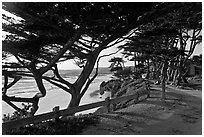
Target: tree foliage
117, 64
48, 33
165, 40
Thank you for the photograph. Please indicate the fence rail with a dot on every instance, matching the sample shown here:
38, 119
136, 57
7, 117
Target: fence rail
51, 115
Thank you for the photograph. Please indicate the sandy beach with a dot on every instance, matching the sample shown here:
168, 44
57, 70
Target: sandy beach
180, 114
55, 96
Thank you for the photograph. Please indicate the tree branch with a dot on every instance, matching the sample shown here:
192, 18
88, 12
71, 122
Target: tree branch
88, 68
33, 100
12, 105
17, 99
4, 89
60, 78
192, 45
58, 85
86, 87
92, 41
78, 53
96, 73
87, 47
7, 66
19, 60
147, 17
121, 39
57, 80
23, 74
6, 85
198, 32
69, 43
16, 79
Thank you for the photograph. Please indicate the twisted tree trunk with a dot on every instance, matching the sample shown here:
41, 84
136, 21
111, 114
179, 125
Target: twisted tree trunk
82, 83
75, 98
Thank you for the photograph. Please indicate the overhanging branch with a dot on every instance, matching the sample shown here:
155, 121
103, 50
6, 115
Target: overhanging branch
12, 105
6, 85
17, 99
78, 53
69, 43
33, 100
96, 73
56, 71
121, 39
58, 85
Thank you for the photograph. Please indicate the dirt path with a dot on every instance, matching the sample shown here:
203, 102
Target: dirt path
180, 114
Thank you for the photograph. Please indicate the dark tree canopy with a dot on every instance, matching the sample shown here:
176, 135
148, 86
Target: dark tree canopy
46, 27
56, 31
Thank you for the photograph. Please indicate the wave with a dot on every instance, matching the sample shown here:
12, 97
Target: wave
22, 92
29, 86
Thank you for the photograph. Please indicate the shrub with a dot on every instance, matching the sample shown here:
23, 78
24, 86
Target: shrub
70, 126
25, 112
124, 74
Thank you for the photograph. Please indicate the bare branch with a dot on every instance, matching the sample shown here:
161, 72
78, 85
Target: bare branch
23, 74
57, 80
198, 32
20, 61
87, 85
78, 53
4, 89
58, 85
16, 79
13, 66
6, 85
33, 100
92, 41
121, 39
192, 45
12, 105
60, 78
96, 73
87, 47
17, 99
69, 43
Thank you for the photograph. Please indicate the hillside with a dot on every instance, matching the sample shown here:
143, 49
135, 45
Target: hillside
180, 114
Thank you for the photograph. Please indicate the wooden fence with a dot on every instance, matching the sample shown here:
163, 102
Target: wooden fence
57, 113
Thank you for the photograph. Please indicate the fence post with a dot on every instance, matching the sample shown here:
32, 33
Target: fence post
56, 111
108, 103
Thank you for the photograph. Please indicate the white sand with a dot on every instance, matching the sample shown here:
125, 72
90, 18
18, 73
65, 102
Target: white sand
55, 96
